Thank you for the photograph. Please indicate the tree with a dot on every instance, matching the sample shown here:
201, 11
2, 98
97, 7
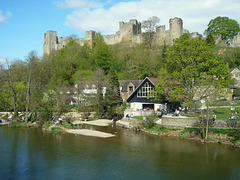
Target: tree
207, 94
224, 26
232, 56
32, 64
15, 79
191, 62
102, 54
100, 79
112, 98
68, 62
149, 27
236, 92
5, 95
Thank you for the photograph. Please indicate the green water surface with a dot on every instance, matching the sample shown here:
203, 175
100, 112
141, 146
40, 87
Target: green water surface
33, 154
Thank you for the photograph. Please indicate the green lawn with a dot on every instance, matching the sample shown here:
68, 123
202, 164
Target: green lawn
226, 103
225, 113
138, 117
222, 113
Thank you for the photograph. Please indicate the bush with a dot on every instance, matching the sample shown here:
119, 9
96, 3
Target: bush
150, 123
68, 126
55, 131
47, 124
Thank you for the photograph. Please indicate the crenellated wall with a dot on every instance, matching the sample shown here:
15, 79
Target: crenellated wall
129, 32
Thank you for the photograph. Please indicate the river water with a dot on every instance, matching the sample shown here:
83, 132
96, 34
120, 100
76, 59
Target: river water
33, 154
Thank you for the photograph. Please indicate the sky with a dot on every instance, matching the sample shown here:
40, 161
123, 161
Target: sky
24, 22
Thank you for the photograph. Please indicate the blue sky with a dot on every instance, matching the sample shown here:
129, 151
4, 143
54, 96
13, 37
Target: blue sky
24, 22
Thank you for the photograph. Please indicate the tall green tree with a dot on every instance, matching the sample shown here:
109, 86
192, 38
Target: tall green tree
232, 56
191, 62
112, 98
32, 63
14, 84
69, 62
102, 53
224, 26
99, 78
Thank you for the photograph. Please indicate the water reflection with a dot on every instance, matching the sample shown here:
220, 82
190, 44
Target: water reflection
33, 154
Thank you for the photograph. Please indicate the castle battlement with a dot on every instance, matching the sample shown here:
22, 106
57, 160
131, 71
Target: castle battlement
129, 32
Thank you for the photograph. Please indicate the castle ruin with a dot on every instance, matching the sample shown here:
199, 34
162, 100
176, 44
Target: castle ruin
129, 32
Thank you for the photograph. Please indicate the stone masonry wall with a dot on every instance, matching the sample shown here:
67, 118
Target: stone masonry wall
129, 32
235, 42
180, 122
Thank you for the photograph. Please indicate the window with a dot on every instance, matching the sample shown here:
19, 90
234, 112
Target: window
130, 89
236, 75
146, 90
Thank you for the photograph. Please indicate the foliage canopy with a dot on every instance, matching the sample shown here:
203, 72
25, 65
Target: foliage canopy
224, 26
191, 64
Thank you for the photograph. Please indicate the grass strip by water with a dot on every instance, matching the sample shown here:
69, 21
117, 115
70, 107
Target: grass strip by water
21, 124
160, 129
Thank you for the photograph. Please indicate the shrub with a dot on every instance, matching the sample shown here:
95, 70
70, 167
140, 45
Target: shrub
47, 124
68, 126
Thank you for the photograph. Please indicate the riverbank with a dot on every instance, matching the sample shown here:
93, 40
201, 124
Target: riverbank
220, 136
189, 134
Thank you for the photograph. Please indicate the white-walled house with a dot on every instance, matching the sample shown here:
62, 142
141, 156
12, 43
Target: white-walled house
142, 101
81, 92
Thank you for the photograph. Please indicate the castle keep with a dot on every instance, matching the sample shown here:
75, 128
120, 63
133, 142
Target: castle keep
129, 32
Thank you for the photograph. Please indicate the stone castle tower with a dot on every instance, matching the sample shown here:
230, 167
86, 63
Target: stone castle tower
176, 29
129, 32
50, 42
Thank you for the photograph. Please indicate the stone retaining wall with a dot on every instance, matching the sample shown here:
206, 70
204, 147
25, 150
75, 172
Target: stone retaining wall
176, 122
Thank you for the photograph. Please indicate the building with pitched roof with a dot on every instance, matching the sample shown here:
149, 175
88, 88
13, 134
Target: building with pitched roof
142, 100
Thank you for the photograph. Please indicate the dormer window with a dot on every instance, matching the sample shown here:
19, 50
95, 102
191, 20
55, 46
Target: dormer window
236, 75
130, 89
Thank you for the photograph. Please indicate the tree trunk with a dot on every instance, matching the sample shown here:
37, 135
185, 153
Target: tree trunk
27, 101
13, 94
28, 95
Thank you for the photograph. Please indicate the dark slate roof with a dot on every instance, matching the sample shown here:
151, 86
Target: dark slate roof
124, 84
152, 80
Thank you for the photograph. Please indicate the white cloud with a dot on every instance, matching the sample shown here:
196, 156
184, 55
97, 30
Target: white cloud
4, 18
76, 4
91, 15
